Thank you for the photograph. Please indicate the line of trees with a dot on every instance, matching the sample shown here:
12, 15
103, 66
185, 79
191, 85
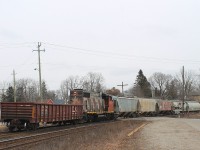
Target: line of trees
158, 85
92, 82
165, 86
28, 89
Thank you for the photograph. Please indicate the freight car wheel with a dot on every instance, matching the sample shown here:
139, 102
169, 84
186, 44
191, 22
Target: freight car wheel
35, 126
28, 126
112, 117
32, 126
11, 128
74, 122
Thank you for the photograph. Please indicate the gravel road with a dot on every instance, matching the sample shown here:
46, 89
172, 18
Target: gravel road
166, 134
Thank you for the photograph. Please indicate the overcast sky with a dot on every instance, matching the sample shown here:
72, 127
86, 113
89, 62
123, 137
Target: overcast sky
112, 37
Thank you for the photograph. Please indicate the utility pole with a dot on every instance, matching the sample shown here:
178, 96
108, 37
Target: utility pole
183, 78
14, 86
122, 85
40, 80
67, 94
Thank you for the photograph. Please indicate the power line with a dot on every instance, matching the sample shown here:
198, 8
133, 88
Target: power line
98, 52
121, 55
16, 45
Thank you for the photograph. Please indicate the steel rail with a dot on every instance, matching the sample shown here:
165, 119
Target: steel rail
19, 142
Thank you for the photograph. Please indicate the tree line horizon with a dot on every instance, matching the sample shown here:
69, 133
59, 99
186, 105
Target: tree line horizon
158, 85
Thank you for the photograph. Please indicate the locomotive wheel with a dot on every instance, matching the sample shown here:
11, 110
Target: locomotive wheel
90, 118
19, 128
108, 117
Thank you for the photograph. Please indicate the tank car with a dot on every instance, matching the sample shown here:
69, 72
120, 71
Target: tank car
192, 106
189, 106
95, 105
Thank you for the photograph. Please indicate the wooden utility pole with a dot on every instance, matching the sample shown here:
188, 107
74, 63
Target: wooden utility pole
67, 98
40, 79
14, 86
122, 85
183, 78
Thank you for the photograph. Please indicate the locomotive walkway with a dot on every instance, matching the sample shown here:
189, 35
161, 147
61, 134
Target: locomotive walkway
166, 134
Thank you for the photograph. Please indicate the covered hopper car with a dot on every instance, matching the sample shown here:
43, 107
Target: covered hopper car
148, 106
126, 107
165, 106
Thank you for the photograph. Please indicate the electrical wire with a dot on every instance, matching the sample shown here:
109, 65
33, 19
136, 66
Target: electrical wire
121, 55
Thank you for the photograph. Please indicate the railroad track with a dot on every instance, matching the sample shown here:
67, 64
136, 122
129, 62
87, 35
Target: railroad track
8, 135
30, 140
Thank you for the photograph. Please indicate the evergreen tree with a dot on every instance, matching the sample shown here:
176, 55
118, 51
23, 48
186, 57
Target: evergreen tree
44, 90
10, 94
3, 98
142, 87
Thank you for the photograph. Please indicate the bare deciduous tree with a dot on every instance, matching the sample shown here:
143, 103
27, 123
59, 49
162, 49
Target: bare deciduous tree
70, 83
159, 81
93, 82
64, 89
27, 90
73, 82
190, 80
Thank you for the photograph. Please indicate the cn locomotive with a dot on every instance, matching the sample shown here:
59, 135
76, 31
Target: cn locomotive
95, 105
